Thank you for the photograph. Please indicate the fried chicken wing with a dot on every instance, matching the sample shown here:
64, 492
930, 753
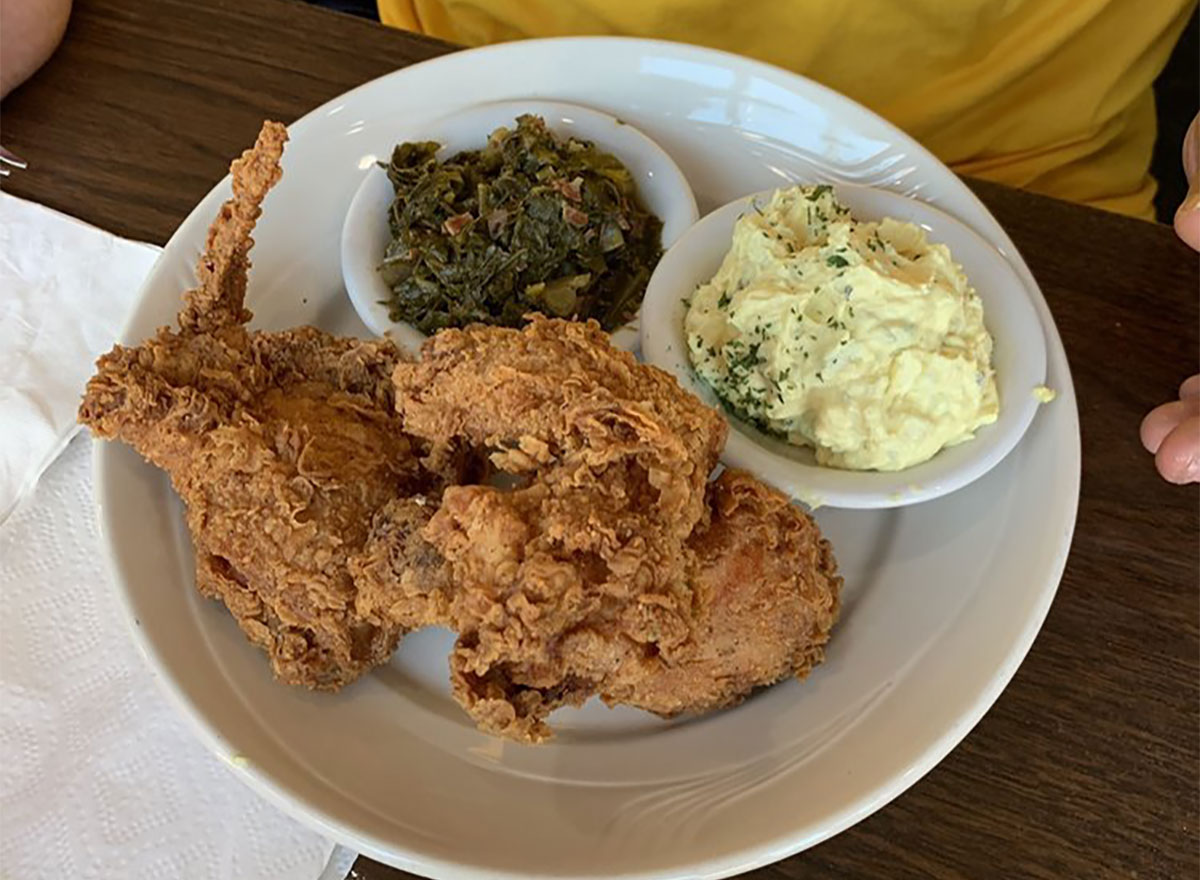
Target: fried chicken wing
283, 446
613, 568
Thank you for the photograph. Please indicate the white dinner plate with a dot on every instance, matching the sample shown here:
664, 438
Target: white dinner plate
942, 599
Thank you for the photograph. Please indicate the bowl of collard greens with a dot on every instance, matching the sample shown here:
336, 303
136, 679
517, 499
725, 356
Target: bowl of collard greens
505, 209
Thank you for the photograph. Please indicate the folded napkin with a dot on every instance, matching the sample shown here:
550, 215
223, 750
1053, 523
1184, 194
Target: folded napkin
65, 291
99, 776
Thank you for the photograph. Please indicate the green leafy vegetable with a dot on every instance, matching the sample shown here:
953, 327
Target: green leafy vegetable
529, 223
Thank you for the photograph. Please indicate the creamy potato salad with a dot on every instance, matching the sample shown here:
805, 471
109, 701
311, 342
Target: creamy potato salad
862, 340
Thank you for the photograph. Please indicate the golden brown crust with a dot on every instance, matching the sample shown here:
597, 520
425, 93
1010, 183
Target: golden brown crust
766, 597
557, 393
614, 567
223, 268
283, 446
323, 483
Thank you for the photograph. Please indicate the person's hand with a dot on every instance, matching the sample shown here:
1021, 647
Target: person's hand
1187, 218
1171, 432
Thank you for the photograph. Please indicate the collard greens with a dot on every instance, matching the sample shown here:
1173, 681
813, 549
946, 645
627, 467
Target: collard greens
529, 223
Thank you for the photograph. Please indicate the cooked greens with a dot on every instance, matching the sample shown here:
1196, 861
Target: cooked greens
529, 223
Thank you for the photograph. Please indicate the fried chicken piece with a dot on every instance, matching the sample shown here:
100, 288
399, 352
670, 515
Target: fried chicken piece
283, 446
401, 579
766, 594
757, 597
556, 393
613, 568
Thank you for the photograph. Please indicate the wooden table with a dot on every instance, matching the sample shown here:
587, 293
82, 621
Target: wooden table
1089, 765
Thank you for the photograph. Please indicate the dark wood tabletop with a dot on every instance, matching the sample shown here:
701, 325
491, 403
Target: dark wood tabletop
1089, 764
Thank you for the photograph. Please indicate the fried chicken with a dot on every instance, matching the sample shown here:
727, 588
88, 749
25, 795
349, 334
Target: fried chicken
765, 597
283, 446
614, 567
339, 496
556, 393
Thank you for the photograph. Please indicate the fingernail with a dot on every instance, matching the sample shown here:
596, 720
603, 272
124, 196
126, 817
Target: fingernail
1191, 203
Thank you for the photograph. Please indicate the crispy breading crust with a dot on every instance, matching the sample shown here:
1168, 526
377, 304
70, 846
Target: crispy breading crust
614, 567
335, 495
283, 446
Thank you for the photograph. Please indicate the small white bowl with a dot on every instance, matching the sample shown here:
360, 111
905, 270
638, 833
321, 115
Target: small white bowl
1019, 358
663, 189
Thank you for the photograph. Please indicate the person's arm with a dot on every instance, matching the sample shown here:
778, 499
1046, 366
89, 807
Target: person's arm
30, 30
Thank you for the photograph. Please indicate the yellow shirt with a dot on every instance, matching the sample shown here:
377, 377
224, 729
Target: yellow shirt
1050, 95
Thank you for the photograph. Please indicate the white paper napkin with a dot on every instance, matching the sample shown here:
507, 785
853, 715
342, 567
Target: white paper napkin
99, 776
65, 291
